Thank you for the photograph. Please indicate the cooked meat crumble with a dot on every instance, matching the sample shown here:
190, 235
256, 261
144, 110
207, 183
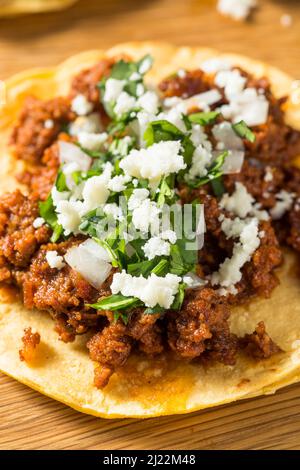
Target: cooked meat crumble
30, 343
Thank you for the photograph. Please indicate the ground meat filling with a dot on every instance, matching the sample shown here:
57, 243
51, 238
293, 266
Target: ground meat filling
19, 240
112, 346
30, 342
39, 179
191, 83
38, 126
259, 344
200, 330
201, 325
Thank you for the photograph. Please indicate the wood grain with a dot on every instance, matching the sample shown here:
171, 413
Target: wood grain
31, 421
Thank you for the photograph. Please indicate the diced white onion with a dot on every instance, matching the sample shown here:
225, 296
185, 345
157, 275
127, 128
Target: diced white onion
69, 152
233, 162
91, 261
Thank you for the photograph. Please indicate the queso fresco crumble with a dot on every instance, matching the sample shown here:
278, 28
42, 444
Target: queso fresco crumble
152, 210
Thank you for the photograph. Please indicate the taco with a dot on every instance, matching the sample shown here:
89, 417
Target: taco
103, 306
17, 7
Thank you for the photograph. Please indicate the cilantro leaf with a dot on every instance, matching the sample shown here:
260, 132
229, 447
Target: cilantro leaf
179, 298
116, 302
48, 213
60, 182
163, 130
243, 131
218, 186
154, 310
203, 118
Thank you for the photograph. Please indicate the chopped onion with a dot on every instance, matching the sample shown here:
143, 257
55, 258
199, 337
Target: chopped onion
200, 101
233, 162
91, 261
69, 152
228, 140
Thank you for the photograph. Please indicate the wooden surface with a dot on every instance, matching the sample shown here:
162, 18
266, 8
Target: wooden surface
31, 421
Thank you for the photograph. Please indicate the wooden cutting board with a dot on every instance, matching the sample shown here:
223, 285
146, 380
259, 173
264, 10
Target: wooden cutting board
31, 421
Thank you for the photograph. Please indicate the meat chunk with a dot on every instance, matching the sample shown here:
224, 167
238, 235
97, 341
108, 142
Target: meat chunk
38, 126
192, 83
258, 274
112, 346
40, 178
200, 325
259, 344
30, 342
19, 240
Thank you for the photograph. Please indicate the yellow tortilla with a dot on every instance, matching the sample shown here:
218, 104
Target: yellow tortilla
17, 7
145, 388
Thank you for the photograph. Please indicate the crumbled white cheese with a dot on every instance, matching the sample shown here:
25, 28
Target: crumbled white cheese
81, 106
68, 215
160, 245
232, 81
223, 292
149, 101
146, 217
154, 162
155, 246
114, 210
249, 106
193, 281
229, 272
268, 175
95, 193
236, 9
284, 203
153, 290
240, 202
91, 124
215, 64
124, 103
118, 183
169, 235
233, 227
202, 159
38, 222
92, 141
90, 260
54, 259
137, 197
49, 124
113, 89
